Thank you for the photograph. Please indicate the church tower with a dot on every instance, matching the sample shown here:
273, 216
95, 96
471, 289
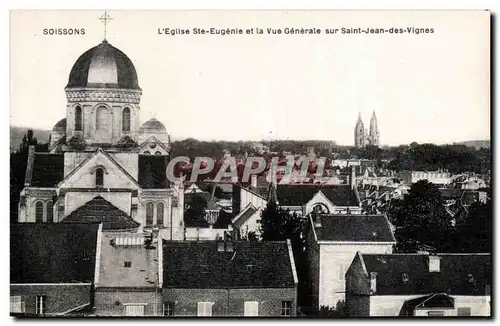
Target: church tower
374, 135
359, 133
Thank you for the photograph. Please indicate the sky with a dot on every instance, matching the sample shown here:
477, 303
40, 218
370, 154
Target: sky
424, 88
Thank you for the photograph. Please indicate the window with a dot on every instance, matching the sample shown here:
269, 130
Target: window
126, 119
157, 153
405, 278
160, 208
168, 309
286, 308
149, 214
251, 308
50, 212
134, 310
40, 305
78, 118
147, 153
99, 178
39, 212
464, 311
127, 264
435, 313
16, 305
205, 308
102, 119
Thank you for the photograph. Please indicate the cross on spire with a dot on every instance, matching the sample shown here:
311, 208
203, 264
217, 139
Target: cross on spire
105, 19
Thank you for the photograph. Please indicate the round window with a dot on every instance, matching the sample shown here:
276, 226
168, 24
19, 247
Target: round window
152, 145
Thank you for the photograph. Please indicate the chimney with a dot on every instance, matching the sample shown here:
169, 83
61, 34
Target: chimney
352, 180
373, 282
253, 181
316, 217
434, 264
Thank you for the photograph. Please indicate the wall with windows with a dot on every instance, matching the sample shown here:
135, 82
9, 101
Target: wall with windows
334, 261
387, 305
232, 302
100, 122
56, 298
123, 302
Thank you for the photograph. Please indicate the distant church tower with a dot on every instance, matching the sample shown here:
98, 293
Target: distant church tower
363, 137
359, 133
374, 135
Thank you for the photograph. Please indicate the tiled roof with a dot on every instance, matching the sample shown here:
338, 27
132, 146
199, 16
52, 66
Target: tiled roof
99, 210
198, 265
52, 252
153, 172
48, 170
298, 195
460, 274
355, 228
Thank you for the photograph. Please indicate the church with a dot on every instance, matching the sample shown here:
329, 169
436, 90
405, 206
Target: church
104, 166
363, 137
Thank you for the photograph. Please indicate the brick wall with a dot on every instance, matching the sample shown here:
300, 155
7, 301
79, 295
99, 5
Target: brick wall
230, 302
58, 298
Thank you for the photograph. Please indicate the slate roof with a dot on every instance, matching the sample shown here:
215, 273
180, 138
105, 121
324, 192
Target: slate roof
52, 252
454, 277
198, 265
298, 195
48, 170
153, 172
355, 228
99, 210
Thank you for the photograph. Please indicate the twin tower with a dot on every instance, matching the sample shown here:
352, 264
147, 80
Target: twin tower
362, 137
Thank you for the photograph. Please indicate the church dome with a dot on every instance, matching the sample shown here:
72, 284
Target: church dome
103, 66
60, 126
152, 126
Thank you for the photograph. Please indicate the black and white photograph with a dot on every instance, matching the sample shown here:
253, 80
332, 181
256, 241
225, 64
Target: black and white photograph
250, 163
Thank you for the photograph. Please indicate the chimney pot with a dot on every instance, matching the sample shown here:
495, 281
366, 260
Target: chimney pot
373, 282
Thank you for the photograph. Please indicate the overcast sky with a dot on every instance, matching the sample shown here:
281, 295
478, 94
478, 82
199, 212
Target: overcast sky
424, 88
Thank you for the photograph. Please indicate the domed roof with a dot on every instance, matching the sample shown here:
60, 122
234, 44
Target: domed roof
103, 66
152, 126
60, 126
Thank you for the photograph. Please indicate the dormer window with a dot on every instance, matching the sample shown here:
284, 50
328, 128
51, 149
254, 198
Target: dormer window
405, 277
99, 178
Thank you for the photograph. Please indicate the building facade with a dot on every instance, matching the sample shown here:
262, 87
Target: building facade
364, 137
102, 160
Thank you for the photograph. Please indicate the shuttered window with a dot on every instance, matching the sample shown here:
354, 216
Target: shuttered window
205, 308
251, 308
134, 310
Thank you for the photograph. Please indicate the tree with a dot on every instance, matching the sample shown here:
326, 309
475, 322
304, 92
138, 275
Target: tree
421, 219
476, 233
195, 213
278, 224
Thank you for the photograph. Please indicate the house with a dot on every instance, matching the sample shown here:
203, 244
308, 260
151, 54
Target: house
226, 278
129, 278
436, 177
331, 244
52, 268
302, 198
419, 285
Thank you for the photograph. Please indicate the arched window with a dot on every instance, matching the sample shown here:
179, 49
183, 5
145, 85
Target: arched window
102, 118
147, 153
50, 212
149, 214
78, 118
99, 178
126, 119
159, 214
39, 212
158, 153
